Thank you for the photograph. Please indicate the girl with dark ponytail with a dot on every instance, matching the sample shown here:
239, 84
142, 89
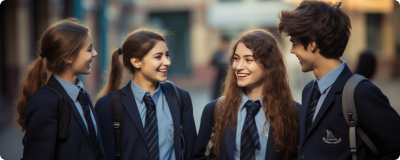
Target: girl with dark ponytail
153, 122
256, 119
65, 51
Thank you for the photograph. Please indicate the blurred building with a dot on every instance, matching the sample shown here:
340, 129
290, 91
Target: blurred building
194, 29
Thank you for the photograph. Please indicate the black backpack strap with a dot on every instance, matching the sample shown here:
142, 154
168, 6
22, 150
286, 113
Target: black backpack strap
175, 93
350, 115
214, 113
118, 118
64, 115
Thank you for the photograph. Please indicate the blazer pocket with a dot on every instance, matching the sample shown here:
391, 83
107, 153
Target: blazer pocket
333, 135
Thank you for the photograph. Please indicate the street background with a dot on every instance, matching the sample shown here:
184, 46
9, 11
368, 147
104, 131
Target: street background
195, 29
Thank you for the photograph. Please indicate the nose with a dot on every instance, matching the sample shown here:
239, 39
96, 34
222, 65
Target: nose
292, 50
94, 53
166, 61
240, 65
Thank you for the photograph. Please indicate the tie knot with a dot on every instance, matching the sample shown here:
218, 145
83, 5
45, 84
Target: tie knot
253, 107
316, 92
149, 101
82, 98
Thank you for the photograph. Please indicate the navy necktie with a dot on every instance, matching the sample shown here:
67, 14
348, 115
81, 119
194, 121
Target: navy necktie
250, 140
315, 94
151, 127
86, 111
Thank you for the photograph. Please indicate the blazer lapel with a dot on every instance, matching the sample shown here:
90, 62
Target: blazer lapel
337, 87
174, 109
303, 112
128, 100
52, 81
270, 145
230, 138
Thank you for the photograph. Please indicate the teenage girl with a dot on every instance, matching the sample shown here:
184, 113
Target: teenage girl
66, 51
256, 118
152, 122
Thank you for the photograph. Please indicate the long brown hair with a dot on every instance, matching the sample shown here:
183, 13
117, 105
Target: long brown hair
278, 103
59, 42
136, 45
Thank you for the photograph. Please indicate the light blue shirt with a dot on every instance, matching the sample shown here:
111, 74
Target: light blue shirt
73, 92
325, 84
164, 119
262, 133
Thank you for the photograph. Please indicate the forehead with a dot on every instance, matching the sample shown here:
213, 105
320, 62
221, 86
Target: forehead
242, 50
88, 40
159, 46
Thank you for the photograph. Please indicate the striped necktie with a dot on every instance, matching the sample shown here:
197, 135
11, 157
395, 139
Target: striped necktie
86, 112
151, 127
250, 140
315, 94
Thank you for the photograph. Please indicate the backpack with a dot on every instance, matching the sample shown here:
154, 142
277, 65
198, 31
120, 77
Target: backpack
63, 118
118, 115
215, 108
350, 114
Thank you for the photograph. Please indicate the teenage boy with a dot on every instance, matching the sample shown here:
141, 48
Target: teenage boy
319, 32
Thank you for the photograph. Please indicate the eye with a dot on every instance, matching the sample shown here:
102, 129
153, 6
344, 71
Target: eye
158, 57
249, 60
235, 58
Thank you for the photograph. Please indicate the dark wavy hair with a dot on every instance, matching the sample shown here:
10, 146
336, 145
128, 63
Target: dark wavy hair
279, 107
322, 22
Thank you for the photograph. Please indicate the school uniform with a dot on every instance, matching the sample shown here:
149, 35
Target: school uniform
134, 137
230, 147
327, 135
41, 114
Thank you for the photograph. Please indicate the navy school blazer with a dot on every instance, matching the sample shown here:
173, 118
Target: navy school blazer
375, 115
134, 145
227, 146
41, 142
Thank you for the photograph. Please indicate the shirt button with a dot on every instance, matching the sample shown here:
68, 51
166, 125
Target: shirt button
303, 155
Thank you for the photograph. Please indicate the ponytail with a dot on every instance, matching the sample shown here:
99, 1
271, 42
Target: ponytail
115, 76
34, 80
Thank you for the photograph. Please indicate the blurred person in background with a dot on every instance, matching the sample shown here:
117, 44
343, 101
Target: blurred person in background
366, 64
152, 120
220, 64
66, 50
257, 118
319, 32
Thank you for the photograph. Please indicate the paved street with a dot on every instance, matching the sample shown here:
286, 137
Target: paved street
10, 137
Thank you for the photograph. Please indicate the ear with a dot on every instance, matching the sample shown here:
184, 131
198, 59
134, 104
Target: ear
136, 63
68, 60
313, 46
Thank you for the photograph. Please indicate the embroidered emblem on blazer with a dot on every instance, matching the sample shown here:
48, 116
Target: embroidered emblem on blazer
330, 139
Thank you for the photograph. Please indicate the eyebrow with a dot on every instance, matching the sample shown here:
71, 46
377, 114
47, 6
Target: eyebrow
160, 53
244, 55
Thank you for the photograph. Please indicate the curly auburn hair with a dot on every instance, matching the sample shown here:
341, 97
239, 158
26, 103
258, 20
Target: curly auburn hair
278, 107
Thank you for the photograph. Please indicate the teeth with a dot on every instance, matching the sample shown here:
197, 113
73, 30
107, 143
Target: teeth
162, 70
242, 75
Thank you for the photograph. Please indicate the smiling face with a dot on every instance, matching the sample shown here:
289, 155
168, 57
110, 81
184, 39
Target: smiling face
307, 58
81, 65
248, 72
154, 64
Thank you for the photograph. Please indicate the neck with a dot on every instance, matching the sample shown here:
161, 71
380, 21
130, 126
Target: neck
145, 84
253, 92
68, 76
324, 66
